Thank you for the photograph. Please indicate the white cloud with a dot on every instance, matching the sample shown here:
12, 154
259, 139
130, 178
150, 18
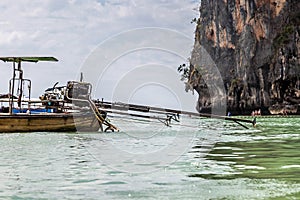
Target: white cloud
71, 29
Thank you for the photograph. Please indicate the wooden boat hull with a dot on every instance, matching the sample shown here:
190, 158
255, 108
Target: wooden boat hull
54, 122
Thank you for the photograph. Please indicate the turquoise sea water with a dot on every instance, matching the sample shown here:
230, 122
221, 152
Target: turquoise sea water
202, 159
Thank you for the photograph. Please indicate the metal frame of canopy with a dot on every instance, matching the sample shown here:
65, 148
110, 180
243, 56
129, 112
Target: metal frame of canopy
18, 68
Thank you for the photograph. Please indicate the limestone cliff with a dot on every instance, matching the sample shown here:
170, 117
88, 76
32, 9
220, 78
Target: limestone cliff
255, 45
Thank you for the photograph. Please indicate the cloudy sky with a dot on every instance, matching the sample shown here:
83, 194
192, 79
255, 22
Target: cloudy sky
72, 30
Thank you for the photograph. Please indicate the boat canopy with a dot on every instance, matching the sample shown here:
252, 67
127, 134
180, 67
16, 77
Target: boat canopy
28, 59
19, 82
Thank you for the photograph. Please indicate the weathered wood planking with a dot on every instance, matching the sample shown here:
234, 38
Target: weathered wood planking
48, 123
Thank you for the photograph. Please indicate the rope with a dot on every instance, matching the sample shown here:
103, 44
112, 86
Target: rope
100, 118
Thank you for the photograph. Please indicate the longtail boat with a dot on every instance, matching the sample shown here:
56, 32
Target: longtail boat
60, 109
70, 108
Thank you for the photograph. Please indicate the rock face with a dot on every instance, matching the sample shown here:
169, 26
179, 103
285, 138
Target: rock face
255, 45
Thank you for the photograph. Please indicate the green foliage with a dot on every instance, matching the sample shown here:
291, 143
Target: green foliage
235, 82
184, 71
284, 37
194, 20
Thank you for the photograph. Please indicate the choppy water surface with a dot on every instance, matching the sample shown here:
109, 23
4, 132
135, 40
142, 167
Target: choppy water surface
204, 159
